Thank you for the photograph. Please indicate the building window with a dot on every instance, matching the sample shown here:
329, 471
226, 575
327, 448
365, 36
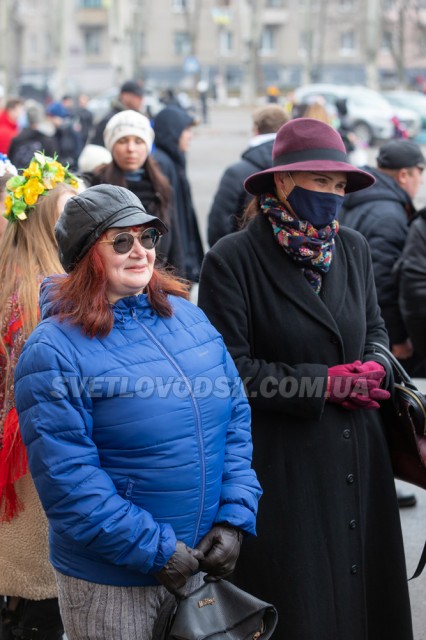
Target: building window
140, 43
268, 40
182, 43
91, 4
347, 43
308, 5
33, 45
347, 5
93, 41
179, 5
226, 42
387, 41
307, 42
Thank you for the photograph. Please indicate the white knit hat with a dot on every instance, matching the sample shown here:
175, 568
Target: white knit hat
128, 123
92, 156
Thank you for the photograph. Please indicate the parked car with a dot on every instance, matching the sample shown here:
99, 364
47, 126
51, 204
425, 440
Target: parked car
413, 100
369, 114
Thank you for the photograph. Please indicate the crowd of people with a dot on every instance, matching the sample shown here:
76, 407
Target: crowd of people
149, 442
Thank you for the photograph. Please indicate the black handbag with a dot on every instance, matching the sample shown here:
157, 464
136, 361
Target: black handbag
404, 416
405, 420
219, 610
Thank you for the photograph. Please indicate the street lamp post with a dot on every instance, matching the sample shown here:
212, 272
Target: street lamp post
372, 37
253, 27
222, 17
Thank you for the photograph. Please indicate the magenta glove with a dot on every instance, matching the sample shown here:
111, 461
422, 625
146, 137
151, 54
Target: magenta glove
357, 385
365, 395
372, 370
341, 380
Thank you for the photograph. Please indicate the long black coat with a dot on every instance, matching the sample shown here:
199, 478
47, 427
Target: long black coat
329, 549
168, 126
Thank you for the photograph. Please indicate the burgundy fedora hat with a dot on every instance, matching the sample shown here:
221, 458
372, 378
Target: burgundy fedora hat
305, 144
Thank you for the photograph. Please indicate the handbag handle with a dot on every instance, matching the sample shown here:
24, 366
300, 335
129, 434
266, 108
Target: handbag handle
402, 378
400, 375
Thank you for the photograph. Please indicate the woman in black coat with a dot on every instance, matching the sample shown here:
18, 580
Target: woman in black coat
129, 137
173, 133
295, 301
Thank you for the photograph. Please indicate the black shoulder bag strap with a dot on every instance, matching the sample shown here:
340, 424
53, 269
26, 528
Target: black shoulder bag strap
399, 375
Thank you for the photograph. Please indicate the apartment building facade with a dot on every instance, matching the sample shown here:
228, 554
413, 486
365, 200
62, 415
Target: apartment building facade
73, 46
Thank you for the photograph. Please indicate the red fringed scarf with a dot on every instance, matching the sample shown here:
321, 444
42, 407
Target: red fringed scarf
13, 455
13, 465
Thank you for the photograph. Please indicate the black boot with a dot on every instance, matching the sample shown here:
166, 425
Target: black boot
33, 620
406, 499
9, 618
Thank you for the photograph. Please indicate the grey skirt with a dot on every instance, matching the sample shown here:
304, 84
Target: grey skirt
93, 611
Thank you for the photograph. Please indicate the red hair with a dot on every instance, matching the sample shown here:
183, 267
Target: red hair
81, 297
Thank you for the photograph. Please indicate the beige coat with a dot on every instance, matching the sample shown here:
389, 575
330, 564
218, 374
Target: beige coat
25, 569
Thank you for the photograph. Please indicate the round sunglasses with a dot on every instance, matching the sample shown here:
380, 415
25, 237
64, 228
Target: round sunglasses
124, 241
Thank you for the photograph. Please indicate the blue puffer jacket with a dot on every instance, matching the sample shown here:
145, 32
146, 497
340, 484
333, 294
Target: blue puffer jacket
134, 440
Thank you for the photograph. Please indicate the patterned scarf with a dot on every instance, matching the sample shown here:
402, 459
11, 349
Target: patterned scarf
310, 247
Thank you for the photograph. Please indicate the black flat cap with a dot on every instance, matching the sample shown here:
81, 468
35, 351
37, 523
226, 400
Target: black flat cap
400, 154
130, 86
86, 216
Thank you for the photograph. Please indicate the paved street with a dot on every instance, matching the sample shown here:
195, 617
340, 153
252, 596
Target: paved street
214, 147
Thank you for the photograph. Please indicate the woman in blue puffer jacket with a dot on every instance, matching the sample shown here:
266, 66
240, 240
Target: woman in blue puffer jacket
136, 425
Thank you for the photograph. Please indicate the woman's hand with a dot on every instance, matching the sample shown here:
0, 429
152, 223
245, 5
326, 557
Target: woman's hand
357, 385
183, 564
220, 548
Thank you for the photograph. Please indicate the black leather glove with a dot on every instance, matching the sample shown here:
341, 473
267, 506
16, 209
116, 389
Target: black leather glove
179, 568
221, 548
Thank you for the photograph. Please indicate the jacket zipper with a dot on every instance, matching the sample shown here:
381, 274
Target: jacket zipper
196, 412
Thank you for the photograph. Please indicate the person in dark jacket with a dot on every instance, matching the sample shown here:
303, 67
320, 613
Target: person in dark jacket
173, 134
412, 283
129, 137
382, 215
31, 138
67, 141
130, 97
136, 424
231, 198
293, 296
83, 117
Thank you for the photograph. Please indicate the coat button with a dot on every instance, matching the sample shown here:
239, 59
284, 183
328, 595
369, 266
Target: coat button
354, 569
347, 433
353, 524
350, 478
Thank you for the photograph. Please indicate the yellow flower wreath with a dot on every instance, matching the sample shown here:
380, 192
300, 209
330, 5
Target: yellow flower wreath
42, 174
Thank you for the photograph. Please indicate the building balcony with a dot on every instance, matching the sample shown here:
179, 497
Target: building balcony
92, 17
275, 15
